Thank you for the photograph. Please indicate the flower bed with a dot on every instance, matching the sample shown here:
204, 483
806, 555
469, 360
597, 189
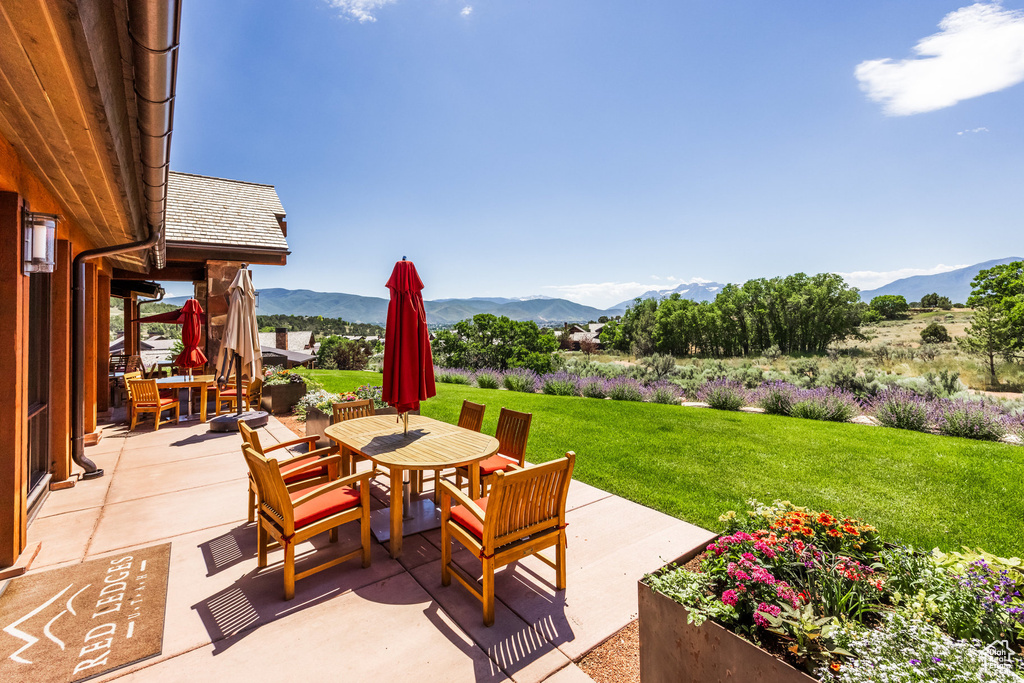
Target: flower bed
316, 407
824, 594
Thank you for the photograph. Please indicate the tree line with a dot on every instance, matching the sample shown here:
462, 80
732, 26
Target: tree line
318, 325
796, 313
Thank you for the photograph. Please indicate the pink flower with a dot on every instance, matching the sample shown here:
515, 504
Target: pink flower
729, 597
749, 557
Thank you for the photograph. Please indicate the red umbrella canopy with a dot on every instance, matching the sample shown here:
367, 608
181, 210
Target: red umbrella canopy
191, 332
408, 363
190, 317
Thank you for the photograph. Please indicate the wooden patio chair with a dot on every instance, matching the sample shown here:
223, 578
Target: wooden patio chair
471, 417
146, 398
290, 515
350, 410
252, 395
126, 378
512, 433
523, 514
293, 468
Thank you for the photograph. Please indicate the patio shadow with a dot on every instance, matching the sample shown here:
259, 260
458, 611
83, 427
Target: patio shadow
255, 599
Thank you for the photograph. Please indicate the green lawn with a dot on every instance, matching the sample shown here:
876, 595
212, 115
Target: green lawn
696, 463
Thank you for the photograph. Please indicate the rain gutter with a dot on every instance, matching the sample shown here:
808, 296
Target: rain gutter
154, 27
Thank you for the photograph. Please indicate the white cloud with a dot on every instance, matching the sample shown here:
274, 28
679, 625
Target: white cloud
360, 10
979, 50
872, 279
466, 11
983, 129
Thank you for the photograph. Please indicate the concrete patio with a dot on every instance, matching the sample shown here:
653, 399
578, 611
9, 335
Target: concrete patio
226, 621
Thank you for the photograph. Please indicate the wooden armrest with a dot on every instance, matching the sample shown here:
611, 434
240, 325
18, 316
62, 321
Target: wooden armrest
361, 478
285, 444
462, 498
319, 452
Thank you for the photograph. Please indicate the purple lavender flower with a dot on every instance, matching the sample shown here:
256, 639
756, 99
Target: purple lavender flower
723, 394
969, 419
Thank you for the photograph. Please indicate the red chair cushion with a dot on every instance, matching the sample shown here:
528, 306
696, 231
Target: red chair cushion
164, 402
496, 463
323, 506
467, 520
229, 392
302, 476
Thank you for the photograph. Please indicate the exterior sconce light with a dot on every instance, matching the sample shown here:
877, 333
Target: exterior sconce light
257, 298
40, 232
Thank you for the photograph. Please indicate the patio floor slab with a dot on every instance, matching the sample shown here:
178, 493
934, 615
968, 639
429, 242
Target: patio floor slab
226, 619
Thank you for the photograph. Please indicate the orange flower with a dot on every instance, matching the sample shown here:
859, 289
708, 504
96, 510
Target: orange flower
835, 666
835, 533
850, 529
826, 519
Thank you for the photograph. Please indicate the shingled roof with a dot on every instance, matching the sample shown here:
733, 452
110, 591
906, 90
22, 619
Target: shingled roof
221, 212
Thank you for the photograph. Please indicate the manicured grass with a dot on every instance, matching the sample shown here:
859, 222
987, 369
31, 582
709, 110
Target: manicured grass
696, 463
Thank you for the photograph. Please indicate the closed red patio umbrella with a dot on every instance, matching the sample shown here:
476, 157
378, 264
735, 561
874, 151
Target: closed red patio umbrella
191, 332
408, 362
190, 317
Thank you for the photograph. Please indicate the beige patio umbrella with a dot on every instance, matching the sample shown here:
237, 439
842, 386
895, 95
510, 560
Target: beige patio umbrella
240, 348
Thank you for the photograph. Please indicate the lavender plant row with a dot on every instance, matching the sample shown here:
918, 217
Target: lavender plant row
894, 407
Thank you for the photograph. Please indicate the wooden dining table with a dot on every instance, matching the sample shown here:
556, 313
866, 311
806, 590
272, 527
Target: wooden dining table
428, 445
201, 382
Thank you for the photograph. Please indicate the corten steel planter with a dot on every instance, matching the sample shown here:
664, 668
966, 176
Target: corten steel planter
317, 422
281, 398
673, 651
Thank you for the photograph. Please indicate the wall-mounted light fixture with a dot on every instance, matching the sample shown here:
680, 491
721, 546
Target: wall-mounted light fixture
257, 298
40, 232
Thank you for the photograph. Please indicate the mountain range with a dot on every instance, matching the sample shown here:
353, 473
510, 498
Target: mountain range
695, 291
371, 309
955, 284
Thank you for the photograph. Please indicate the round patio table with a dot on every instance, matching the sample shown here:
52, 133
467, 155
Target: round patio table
428, 445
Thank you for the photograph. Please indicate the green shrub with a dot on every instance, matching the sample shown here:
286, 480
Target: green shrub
935, 334
487, 379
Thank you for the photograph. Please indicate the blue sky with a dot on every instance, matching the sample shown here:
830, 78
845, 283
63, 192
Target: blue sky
595, 150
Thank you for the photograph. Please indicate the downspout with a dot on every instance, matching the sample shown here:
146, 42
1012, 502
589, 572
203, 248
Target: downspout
154, 30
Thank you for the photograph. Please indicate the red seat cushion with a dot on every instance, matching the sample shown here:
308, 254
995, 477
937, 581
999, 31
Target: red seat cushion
229, 392
302, 476
164, 402
330, 503
467, 520
496, 463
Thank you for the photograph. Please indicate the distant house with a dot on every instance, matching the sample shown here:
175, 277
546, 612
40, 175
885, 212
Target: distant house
280, 338
155, 349
288, 349
285, 358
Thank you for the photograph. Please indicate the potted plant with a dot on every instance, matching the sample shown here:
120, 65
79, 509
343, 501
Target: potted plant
282, 389
791, 594
315, 408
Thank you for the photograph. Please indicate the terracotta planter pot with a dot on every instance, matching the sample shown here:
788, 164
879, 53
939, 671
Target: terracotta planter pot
281, 398
673, 651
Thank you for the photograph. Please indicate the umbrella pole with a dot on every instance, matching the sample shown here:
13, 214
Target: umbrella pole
405, 422
238, 384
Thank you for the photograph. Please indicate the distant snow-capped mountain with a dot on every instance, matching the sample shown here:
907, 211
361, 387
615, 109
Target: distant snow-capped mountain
694, 291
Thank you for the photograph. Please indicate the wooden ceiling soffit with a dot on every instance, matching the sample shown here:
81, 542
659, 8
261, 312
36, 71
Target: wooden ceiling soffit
52, 111
174, 272
200, 253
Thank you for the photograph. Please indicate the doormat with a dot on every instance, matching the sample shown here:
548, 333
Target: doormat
78, 622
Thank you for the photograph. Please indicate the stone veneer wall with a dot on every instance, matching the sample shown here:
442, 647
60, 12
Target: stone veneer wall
213, 297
